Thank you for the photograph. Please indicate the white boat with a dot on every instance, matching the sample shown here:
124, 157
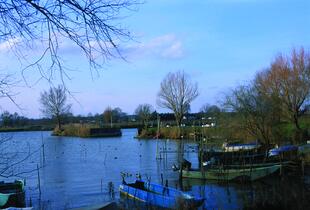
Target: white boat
233, 147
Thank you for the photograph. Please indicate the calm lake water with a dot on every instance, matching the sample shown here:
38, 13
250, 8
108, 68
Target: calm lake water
76, 172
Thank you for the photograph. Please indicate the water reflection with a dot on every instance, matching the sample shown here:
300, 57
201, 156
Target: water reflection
77, 172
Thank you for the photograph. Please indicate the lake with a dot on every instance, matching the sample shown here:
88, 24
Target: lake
76, 172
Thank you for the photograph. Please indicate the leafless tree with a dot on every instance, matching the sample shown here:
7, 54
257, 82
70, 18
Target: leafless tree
144, 112
211, 110
108, 115
254, 110
205, 108
176, 93
54, 103
278, 94
288, 80
91, 25
113, 115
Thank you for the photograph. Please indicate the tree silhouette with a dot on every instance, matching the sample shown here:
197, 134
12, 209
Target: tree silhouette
176, 93
54, 104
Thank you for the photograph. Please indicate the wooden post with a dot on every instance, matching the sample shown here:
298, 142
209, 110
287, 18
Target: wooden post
39, 182
157, 136
166, 150
105, 158
181, 171
43, 152
43, 155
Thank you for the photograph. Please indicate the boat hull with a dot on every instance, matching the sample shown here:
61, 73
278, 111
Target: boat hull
252, 173
12, 194
158, 195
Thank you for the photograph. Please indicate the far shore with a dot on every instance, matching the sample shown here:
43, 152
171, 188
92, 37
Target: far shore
21, 129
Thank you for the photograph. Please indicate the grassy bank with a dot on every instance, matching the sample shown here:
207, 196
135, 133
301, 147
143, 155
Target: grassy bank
188, 132
231, 131
26, 128
86, 131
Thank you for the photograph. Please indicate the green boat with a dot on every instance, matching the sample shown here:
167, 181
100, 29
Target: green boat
12, 194
284, 164
227, 174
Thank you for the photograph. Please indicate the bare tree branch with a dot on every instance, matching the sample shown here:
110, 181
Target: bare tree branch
10, 159
7, 82
88, 24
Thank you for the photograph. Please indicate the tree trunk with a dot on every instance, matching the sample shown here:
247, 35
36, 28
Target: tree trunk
296, 122
298, 132
178, 121
59, 122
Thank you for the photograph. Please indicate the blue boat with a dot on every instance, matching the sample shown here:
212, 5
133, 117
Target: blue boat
282, 149
158, 195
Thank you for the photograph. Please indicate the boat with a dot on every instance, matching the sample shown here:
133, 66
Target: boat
258, 165
237, 157
232, 173
235, 147
103, 206
12, 194
282, 150
158, 195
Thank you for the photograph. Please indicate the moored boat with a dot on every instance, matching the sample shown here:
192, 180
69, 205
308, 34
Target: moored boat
255, 165
235, 147
227, 174
12, 194
282, 150
159, 195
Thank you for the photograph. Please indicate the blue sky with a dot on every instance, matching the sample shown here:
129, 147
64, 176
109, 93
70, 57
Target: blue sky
219, 43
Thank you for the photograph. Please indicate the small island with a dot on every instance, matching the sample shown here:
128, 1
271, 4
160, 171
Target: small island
87, 131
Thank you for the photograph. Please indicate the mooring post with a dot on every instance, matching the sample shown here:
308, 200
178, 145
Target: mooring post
43, 155
43, 152
157, 136
101, 185
39, 182
180, 175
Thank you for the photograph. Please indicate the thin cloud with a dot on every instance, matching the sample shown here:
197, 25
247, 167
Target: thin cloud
9, 44
174, 51
167, 46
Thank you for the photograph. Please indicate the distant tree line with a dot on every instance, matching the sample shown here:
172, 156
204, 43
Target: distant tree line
8, 119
